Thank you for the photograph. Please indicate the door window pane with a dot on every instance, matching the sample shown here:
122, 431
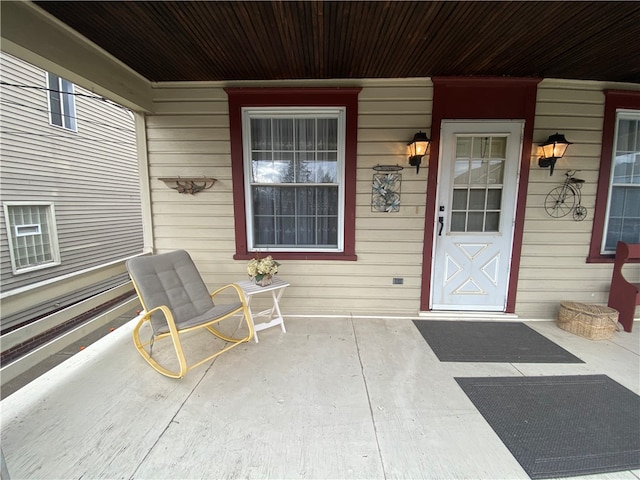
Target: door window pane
463, 147
461, 174
476, 199
459, 199
496, 171
498, 147
492, 222
479, 172
479, 147
475, 223
494, 199
458, 222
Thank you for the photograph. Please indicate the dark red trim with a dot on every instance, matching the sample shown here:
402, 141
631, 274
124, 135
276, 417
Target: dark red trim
614, 100
477, 99
294, 97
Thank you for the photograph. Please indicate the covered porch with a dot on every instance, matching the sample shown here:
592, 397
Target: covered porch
336, 396
339, 397
382, 263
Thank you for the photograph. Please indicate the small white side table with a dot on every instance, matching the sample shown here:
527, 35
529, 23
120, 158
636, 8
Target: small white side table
274, 315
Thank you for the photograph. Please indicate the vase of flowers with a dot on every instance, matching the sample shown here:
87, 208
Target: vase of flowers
262, 270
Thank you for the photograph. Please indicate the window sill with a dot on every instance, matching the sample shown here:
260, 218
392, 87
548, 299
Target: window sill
34, 268
609, 259
299, 256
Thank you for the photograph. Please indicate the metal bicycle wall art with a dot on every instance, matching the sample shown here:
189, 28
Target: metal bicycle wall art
385, 189
566, 198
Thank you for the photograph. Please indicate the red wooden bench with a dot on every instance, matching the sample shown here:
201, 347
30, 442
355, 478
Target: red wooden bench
623, 294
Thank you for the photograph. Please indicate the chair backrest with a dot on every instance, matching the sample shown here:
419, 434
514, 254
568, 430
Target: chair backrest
173, 280
624, 252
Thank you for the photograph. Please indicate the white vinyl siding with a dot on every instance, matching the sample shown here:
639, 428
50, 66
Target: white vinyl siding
554, 264
32, 234
623, 209
189, 135
91, 176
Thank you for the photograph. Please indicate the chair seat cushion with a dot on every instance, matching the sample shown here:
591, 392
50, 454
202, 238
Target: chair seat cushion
211, 314
170, 279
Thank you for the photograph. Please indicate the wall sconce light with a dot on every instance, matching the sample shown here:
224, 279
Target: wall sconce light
553, 149
418, 149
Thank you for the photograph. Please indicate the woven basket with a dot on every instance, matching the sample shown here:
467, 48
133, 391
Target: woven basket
594, 322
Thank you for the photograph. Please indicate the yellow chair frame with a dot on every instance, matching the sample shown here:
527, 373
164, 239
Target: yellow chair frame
174, 333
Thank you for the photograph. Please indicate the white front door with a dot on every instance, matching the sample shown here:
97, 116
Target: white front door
477, 190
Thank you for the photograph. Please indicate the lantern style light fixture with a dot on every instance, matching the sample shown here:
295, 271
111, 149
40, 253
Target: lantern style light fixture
553, 149
418, 149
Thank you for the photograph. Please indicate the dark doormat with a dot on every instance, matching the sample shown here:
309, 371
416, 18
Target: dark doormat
561, 426
508, 342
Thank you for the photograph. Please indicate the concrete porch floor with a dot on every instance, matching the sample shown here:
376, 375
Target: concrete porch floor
330, 399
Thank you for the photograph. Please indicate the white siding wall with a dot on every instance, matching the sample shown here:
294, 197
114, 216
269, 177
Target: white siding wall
189, 136
91, 175
554, 252
553, 266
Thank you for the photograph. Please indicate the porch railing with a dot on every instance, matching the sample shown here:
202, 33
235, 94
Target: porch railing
14, 301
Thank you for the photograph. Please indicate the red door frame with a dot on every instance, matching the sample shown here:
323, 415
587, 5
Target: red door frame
456, 98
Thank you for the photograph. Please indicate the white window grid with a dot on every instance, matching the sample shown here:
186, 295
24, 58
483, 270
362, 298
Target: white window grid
478, 195
632, 115
32, 235
292, 112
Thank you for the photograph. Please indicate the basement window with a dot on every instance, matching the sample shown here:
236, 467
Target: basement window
33, 242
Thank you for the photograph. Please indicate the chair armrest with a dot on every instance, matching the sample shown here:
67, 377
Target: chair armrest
236, 287
168, 316
163, 308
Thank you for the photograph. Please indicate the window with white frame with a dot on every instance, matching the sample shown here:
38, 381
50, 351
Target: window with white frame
294, 174
32, 235
62, 103
622, 221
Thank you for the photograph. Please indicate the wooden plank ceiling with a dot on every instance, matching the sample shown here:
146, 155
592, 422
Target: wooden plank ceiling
267, 40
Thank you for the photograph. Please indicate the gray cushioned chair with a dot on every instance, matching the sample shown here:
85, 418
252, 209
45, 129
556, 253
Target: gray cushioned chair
175, 301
